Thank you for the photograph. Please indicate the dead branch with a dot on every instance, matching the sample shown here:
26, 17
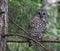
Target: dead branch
22, 40
28, 36
25, 36
18, 25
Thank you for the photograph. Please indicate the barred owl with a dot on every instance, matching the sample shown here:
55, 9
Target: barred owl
37, 26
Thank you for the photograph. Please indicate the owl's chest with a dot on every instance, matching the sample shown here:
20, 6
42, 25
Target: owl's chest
37, 23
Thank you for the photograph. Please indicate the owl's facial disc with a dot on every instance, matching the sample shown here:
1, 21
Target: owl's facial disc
41, 13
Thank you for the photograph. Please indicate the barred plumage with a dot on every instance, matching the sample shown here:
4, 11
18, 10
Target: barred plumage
37, 26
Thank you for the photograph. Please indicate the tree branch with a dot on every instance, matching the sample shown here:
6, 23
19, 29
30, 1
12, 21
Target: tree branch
25, 36
18, 25
22, 40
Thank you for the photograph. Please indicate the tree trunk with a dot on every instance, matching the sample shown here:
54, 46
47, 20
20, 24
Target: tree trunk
3, 23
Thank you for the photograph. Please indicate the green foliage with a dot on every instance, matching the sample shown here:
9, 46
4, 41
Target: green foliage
21, 11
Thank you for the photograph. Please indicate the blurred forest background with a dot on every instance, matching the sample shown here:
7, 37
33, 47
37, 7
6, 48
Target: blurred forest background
21, 12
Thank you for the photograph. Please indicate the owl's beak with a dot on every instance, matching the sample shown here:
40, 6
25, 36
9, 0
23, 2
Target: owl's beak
41, 15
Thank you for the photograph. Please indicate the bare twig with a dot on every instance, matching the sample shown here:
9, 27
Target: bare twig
27, 36
18, 25
22, 40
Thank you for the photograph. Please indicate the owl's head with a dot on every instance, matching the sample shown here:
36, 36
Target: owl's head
42, 13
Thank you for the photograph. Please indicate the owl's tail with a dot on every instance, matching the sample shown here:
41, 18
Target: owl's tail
31, 43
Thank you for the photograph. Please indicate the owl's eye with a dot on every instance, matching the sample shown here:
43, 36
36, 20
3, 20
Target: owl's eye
43, 13
39, 13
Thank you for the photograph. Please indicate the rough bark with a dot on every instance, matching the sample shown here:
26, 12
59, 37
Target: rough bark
3, 23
